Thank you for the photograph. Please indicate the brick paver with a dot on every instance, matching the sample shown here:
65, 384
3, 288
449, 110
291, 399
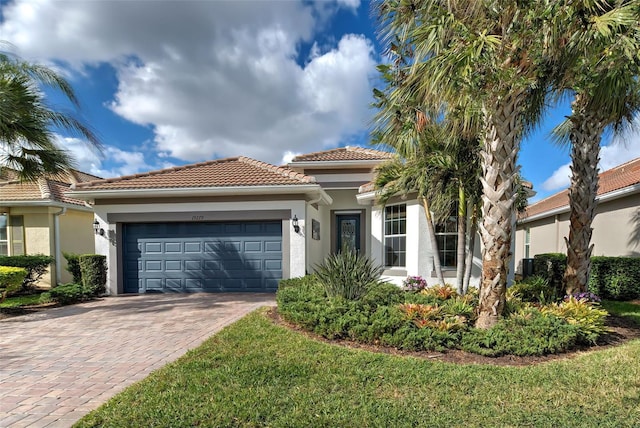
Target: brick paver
59, 364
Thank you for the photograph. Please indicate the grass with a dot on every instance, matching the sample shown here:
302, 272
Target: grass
626, 309
20, 301
255, 373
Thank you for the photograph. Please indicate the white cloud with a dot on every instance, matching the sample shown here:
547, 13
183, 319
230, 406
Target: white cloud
559, 179
211, 79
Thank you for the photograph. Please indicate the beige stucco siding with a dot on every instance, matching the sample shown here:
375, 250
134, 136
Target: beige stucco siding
616, 230
38, 236
76, 236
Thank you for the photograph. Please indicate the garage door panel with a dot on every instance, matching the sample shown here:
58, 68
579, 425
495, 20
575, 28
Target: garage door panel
234, 256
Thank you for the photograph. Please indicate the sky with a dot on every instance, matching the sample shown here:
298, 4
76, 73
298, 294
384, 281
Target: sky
166, 83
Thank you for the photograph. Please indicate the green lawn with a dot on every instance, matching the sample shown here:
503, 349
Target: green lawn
19, 301
255, 373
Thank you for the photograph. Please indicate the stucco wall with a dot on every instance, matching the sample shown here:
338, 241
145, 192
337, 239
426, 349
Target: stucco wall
38, 236
616, 230
76, 236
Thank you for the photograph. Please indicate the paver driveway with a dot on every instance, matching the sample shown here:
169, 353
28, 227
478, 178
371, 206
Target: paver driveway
57, 365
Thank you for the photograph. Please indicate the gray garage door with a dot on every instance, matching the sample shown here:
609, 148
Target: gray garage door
189, 257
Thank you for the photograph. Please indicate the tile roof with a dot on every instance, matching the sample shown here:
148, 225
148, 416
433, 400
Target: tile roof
43, 189
344, 154
236, 171
617, 178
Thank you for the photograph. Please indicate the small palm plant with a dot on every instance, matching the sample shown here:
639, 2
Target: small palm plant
348, 274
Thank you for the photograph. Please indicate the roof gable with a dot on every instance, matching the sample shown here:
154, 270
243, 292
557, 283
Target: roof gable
229, 172
625, 175
344, 154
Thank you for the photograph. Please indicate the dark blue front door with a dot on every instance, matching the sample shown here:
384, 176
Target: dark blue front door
186, 257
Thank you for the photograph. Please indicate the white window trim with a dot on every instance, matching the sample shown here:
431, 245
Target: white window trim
385, 236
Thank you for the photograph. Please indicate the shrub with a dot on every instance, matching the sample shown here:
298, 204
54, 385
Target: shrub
69, 293
526, 333
441, 292
348, 274
11, 279
581, 313
382, 294
535, 289
93, 271
551, 267
73, 266
36, 266
615, 278
414, 283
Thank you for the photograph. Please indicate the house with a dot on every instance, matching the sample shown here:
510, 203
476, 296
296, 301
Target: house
238, 224
40, 218
616, 226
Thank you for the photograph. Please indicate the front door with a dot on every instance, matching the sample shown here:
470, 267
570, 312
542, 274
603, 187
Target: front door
348, 231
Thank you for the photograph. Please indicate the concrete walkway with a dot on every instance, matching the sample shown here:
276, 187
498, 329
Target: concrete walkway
59, 364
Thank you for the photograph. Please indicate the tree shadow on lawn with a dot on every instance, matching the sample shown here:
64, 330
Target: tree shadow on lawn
622, 330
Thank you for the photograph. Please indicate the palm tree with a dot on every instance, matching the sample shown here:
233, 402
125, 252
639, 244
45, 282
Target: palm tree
600, 66
486, 52
27, 141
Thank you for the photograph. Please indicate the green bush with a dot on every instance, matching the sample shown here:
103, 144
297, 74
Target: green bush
585, 315
11, 279
535, 289
36, 266
348, 274
93, 271
69, 293
73, 266
528, 333
551, 267
615, 278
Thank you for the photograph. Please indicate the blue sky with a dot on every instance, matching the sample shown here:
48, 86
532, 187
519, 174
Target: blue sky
166, 83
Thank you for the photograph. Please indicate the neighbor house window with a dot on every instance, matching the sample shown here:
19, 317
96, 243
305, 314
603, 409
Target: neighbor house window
527, 242
11, 232
395, 235
447, 238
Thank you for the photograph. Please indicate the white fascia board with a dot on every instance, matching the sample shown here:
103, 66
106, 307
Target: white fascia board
610, 196
45, 204
365, 198
311, 189
335, 164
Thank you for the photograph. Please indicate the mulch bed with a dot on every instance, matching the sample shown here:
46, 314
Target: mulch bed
622, 330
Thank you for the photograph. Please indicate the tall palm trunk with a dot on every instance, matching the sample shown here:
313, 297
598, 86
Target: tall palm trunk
585, 155
434, 241
499, 152
462, 233
471, 243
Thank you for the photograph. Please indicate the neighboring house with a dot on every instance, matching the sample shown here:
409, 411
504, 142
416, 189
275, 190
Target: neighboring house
238, 224
39, 218
616, 226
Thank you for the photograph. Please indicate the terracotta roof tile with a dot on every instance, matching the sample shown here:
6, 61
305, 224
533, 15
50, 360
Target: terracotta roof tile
344, 154
617, 178
237, 171
43, 189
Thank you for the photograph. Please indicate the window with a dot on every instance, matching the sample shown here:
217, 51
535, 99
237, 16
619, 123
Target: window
395, 235
11, 231
527, 242
447, 238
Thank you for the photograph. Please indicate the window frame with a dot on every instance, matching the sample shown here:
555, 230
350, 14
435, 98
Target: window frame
399, 237
447, 235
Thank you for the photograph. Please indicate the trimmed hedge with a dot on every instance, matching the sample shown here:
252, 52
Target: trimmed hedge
73, 266
11, 279
36, 266
611, 278
93, 271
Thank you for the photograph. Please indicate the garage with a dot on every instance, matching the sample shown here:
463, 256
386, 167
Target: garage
243, 256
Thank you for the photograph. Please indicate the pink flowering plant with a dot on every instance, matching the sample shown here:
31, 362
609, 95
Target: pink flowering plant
414, 283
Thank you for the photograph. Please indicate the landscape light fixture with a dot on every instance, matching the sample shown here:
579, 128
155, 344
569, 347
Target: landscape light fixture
294, 221
97, 229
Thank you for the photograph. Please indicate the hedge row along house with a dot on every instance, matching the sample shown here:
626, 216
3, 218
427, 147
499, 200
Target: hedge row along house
544, 225
41, 218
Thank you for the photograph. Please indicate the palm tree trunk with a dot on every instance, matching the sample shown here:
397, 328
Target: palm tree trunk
499, 153
434, 242
471, 243
585, 155
462, 234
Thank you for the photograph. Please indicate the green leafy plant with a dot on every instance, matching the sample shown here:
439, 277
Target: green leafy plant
441, 292
36, 266
93, 271
11, 279
73, 266
348, 274
69, 293
585, 315
535, 289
